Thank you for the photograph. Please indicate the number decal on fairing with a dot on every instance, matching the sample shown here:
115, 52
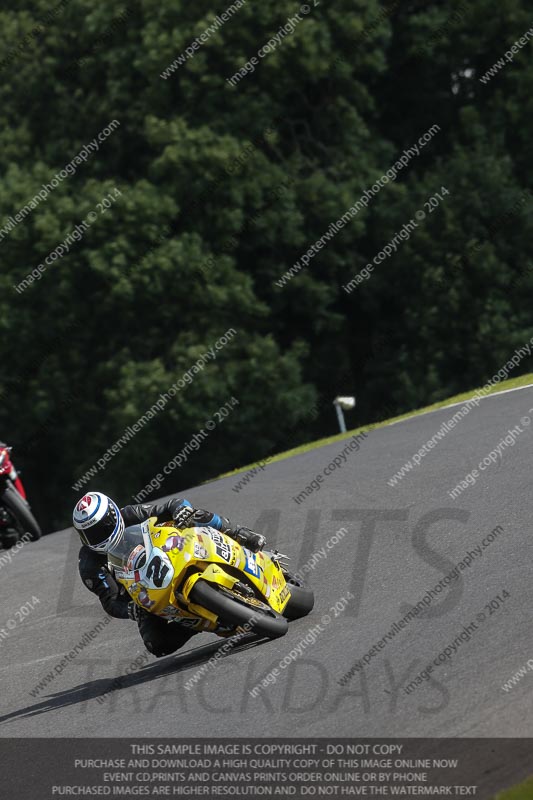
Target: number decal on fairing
158, 572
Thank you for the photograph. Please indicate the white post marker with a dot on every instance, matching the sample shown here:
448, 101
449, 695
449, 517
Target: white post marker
346, 403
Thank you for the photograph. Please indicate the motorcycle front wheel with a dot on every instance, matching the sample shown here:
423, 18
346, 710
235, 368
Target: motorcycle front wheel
19, 508
236, 611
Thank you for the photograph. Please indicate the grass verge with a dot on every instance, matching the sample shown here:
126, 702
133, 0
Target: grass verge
514, 383
523, 791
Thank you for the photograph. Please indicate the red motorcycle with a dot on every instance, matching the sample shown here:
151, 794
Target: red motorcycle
16, 519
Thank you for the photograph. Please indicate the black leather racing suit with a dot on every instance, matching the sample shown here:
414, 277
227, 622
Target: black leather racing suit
160, 637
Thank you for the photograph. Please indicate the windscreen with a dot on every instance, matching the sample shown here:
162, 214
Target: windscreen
130, 552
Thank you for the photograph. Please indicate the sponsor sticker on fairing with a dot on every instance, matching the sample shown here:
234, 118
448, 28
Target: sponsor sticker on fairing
133, 557
174, 542
169, 612
283, 594
252, 567
200, 551
223, 548
144, 599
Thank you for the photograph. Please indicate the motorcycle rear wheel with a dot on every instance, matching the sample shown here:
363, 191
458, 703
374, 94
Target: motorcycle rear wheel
20, 510
233, 610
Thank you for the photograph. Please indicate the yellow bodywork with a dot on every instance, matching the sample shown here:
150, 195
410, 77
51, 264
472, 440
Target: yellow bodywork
179, 558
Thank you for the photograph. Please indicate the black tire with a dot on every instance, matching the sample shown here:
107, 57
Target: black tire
20, 509
234, 612
300, 603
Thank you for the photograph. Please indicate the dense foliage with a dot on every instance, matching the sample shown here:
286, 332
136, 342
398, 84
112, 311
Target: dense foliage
221, 190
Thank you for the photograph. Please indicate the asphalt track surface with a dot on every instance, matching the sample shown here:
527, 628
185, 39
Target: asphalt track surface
389, 558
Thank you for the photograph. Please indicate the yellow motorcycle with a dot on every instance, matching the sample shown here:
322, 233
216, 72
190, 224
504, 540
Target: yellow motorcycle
207, 580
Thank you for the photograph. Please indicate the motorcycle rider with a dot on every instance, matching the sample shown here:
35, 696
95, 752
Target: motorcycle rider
100, 524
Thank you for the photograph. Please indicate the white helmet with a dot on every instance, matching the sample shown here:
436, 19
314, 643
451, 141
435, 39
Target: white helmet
98, 521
